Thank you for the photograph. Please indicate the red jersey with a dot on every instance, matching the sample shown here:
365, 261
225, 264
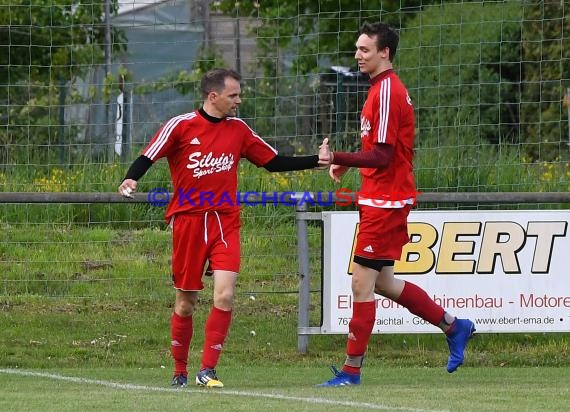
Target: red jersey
388, 117
203, 157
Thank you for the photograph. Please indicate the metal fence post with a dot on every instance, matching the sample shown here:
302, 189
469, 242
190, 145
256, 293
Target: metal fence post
61, 137
304, 278
567, 102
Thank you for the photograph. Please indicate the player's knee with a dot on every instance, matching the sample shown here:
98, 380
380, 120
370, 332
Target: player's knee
359, 287
185, 308
224, 299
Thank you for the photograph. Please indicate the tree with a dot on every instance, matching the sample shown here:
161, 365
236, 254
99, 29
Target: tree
491, 72
42, 44
461, 64
545, 67
315, 31
297, 41
494, 70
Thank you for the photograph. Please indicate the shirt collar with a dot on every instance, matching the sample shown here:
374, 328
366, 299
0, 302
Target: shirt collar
381, 76
209, 118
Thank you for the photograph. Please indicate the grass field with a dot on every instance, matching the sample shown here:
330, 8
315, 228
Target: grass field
289, 388
90, 332
97, 355
85, 301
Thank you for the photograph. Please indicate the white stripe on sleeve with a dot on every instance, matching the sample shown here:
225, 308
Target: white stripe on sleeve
384, 96
160, 141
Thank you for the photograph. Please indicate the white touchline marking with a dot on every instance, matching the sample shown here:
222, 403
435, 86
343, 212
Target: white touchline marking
129, 386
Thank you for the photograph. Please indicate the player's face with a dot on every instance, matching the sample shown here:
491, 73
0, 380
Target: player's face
228, 99
370, 60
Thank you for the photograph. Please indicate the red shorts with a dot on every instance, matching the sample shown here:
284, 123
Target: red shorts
210, 237
382, 233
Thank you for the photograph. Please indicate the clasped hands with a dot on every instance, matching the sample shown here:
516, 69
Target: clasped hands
325, 154
326, 157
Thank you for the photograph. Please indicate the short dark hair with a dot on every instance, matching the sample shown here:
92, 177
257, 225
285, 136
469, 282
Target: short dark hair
214, 80
386, 36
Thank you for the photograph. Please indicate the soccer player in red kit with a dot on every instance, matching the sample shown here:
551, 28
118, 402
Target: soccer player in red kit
388, 191
203, 149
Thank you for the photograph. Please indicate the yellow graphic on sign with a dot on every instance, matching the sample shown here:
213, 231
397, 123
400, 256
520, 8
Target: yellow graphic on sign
349, 271
497, 242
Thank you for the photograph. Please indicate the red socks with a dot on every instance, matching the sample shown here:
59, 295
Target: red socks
181, 330
417, 301
217, 326
414, 298
359, 331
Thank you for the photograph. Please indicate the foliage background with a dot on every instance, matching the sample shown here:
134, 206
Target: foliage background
87, 286
479, 72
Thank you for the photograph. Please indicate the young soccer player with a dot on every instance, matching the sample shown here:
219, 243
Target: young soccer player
387, 137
